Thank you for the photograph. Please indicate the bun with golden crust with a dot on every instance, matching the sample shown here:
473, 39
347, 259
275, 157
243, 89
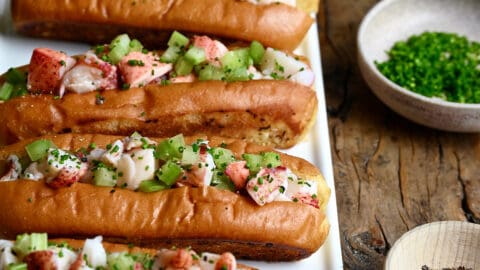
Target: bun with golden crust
266, 112
277, 25
205, 218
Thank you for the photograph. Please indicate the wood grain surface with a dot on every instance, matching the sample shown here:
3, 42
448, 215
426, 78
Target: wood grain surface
391, 175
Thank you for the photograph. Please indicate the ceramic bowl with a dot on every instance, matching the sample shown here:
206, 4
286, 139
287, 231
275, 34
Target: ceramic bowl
437, 245
394, 20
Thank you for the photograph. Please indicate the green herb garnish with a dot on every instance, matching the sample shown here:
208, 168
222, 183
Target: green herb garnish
436, 64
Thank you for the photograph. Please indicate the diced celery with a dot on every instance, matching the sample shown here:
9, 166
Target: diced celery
195, 55
122, 40
222, 157
171, 148
271, 160
15, 85
177, 40
6, 91
146, 260
170, 55
104, 177
19, 89
15, 76
254, 162
236, 59
120, 261
116, 54
152, 186
17, 266
256, 51
119, 47
210, 72
169, 173
183, 66
39, 241
221, 181
27, 243
190, 156
264, 160
238, 74
38, 149
135, 46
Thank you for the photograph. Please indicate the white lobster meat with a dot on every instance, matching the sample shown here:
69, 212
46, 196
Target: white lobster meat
135, 167
14, 169
90, 74
278, 64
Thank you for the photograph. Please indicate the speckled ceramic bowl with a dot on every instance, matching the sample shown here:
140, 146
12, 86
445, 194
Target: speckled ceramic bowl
393, 20
437, 245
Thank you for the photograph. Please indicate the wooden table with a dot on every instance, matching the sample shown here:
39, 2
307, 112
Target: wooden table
391, 175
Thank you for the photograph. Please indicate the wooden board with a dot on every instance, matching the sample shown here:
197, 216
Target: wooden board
391, 175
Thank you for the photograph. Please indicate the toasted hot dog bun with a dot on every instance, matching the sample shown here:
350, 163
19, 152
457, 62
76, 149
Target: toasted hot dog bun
206, 219
266, 112
277, 25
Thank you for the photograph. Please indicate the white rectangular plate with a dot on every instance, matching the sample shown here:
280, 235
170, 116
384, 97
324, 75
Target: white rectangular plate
16, 51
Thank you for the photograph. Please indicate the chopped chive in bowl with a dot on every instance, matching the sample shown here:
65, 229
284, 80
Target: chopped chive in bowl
436, 64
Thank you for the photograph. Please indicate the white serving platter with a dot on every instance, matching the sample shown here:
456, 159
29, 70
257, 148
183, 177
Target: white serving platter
16, 51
